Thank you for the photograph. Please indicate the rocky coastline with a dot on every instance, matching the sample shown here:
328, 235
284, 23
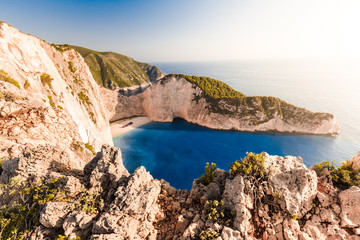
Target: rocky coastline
61, 178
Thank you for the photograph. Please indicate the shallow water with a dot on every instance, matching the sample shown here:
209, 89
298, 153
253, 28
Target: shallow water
178, 152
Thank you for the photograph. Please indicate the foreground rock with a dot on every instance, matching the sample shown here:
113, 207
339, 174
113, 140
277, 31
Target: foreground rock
290, 202
174, 96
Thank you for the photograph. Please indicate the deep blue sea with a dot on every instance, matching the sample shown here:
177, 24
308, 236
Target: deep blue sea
178, 151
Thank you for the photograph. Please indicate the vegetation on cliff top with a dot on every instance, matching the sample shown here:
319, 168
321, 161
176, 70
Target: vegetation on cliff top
344, 176
223, 99
116, 70
211, 87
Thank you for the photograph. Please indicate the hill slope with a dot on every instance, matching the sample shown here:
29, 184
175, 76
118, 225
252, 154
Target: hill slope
112, 70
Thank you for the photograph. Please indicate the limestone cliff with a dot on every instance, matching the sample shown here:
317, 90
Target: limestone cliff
47, 96
175, 96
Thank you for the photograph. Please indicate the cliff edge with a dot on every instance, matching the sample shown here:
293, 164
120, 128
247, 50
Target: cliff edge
213, 104
47, 97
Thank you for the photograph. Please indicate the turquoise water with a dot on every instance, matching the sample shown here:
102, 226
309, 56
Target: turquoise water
178, 152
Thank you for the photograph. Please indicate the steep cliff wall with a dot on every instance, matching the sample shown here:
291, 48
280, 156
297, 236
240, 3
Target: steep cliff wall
176, 97
47, 96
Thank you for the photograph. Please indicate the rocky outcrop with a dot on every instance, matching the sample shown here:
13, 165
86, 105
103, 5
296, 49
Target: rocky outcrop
289, 202
176, 97
47, 96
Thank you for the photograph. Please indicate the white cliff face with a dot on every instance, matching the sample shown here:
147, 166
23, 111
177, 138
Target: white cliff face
177, 98
65, 111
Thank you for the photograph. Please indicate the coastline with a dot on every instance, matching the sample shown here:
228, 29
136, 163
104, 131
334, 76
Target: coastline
125, 125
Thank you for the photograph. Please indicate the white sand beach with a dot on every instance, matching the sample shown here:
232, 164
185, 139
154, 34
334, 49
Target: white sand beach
122, 126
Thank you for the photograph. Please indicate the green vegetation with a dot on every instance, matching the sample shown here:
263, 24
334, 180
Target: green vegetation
216, 211
27, 199
115, 70
208, 234
52, 104
89, 202
208, 176
61, 48
9, 96
251, 165
26, 84
71, 68
60, 107
46, 79
62, 237
90, 147
77, 145
84, 98
211, 87
343, 176
5, 77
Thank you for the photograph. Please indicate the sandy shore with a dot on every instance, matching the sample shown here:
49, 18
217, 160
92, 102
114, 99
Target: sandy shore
122, 126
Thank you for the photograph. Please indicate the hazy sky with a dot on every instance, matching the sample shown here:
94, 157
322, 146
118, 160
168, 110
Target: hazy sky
188, 30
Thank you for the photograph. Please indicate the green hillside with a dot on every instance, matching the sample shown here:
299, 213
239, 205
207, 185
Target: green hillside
112, 69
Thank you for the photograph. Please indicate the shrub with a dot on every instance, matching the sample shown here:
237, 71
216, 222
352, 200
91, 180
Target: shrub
208, 175
71, 68
26, 84
215, 211
343, 176
61, 48
212, 87
52, 104
208, 234
84, 98
19, 217
89, 202
251, 165
4, 77
46, 79
60, 107
90, 147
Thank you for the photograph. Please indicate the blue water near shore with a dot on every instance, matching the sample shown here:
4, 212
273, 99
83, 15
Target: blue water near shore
178, 151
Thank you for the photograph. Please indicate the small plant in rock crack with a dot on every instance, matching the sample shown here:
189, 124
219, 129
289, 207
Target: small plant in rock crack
208, 176
252, 165
208, 234
89, 202
216, 212
343, 176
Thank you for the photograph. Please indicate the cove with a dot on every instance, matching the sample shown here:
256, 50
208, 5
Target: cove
177, 152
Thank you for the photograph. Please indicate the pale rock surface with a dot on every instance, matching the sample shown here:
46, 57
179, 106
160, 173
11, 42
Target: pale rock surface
296, 184
350, 212
54, 214
175, 97
356, 159
66, 112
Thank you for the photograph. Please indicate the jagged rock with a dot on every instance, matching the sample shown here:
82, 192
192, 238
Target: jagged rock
54, 214
350, 212
106, 168
134, 204
356, 159
78, 224
39, 161
296, 184
230, 234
